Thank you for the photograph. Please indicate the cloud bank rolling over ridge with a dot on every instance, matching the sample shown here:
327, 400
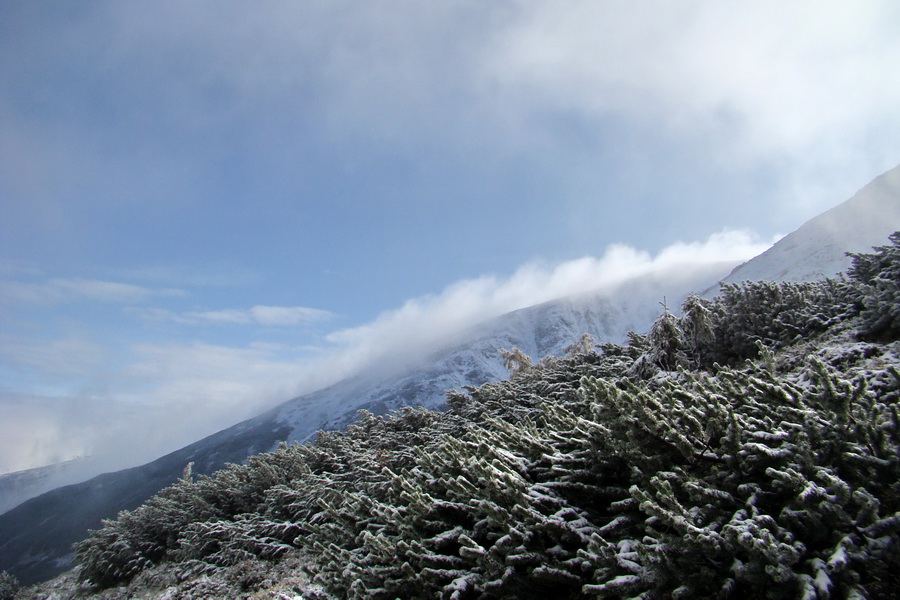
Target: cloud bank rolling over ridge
176, 392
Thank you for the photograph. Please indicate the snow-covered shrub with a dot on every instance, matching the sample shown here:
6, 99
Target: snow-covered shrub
249, 575
584, 345
577, 478
775, 315
666, 342
764, 494
692, 486
879, 274
515, 361
697, 325
140, 538
9, 586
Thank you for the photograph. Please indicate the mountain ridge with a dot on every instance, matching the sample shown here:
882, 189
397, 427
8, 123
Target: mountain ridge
688, 462
819, 247
36, 535
36, 545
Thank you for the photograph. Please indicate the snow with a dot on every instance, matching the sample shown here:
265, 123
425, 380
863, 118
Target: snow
19, 486
817, 249
814, 251
473, 358
616, 582
838, 559
822, 582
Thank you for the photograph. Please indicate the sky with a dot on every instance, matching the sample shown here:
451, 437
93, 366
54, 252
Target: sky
210, 207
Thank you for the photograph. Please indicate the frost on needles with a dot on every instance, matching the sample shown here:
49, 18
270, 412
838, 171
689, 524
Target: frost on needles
749, 448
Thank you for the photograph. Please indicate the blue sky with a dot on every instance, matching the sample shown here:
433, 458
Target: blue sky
210, 206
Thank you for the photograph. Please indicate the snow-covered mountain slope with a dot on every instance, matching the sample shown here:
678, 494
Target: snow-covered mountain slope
818, 248
35, 538
541, 330
19, 486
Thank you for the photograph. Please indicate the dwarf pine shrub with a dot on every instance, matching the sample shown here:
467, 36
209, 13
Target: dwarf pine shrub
582, 476
879, 274
9, 586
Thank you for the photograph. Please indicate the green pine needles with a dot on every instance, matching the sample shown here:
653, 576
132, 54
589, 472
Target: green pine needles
9, 586
755, 452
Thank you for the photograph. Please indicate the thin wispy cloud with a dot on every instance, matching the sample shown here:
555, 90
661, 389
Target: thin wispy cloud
208, 275
266, 316
56, 361
15, 268
275, 316
60, 291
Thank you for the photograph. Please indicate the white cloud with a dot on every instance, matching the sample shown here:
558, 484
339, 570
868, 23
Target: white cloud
180, 391
34, 432
421, 322
172, 393
725, 246
772, 77
9, 267
805, 90
56, 360
288, 315
801, 94
209, 375
268, 316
